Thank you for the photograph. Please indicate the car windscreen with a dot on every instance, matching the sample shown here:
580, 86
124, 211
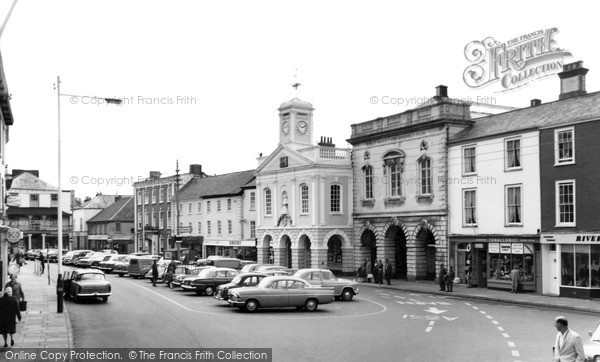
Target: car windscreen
91, 277
237, 280
205, 273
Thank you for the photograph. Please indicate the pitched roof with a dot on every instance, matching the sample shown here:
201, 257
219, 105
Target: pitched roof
99, 202
28, 181
120, 210
560, 112
214, 186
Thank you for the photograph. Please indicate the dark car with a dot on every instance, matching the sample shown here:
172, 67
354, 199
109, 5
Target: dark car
86, 283
208, 280
185, 271
241, 280
280, 292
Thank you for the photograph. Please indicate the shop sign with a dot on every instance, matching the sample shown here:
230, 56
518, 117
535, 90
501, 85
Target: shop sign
585, 239
229, 243
505, 248
493, 248
479, 246
517, 248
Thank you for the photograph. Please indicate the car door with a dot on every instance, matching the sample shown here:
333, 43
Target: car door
66, 282
277, 294
329, 280
296, 293
314, 278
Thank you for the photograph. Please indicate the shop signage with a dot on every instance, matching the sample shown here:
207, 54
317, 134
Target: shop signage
493, 248
570, 239
479, 246
230, 243
517, 248
505, 248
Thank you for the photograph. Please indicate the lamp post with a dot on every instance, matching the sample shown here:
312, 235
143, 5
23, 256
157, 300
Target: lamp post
59, 281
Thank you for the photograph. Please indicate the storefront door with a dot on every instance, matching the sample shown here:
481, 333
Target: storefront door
482, 269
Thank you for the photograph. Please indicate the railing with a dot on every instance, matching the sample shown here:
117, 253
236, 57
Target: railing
326, 153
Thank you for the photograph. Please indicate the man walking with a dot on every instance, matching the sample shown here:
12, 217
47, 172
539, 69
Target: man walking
388, 271
154, 273
442, 278
450, 279
568, 346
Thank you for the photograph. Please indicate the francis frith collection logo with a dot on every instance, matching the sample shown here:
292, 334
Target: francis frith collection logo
513, 63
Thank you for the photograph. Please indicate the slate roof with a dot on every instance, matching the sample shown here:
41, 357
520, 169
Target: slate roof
99, 202
120, 210
557, 113
28, 181
215, 186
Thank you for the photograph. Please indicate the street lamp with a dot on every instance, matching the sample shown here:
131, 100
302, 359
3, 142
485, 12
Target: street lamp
59, 281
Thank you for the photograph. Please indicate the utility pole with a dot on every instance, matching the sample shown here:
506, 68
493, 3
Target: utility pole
177, 242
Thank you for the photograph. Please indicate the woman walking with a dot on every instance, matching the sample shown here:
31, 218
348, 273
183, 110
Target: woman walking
9, 311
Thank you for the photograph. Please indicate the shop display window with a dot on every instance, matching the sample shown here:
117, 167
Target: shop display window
579, 265
595, 266
501, 265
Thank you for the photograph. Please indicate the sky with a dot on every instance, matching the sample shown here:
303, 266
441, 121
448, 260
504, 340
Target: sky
201, 81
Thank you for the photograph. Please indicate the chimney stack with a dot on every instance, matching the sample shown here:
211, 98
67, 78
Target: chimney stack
572, 80
536, 102
196, 170
326, 142
155, 175
441, 91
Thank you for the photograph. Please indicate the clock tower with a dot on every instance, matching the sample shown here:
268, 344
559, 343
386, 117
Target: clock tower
296, 123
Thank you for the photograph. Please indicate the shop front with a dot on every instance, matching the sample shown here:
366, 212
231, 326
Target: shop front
576, 261
493, 258
242, 249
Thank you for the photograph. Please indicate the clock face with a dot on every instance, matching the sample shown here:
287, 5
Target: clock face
302, 127
285, 127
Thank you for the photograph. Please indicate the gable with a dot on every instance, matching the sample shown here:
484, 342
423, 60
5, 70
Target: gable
273, 162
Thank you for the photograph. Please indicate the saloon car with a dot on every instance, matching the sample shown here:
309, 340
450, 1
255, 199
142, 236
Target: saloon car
280, 292
185, 271
592, 347
108, 265
241, 280
345, 289
208, 280
86, 283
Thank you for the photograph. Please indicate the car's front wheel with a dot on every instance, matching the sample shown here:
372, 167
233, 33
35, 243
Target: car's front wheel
311, 305
347, 295
104, 299
251, 305
209, 290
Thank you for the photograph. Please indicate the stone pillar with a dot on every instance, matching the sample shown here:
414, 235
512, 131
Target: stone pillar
280, 256
262, 255
319, 258
43, 241
349, 264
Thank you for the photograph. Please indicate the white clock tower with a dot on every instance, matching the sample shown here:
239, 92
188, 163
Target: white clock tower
296, 123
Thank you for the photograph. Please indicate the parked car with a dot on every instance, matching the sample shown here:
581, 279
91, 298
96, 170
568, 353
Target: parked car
208, 280
270, 267
86, 283
88, 259
592, 347
32, 254
122, 265
345, 289
185, 271
221, 262
108, 265
280, 292
162, 270
71, 257
52, 255
252, 267
241, 280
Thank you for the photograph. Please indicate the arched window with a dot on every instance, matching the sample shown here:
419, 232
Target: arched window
394, 163
335, 198
425, 176
368, 177
303, 199
267, 202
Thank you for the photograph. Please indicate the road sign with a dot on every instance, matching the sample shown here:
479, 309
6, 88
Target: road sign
14, 201
13, 235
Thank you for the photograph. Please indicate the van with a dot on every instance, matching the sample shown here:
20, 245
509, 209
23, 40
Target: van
221, 263
140, 265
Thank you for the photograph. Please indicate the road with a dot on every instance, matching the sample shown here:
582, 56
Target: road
379, 324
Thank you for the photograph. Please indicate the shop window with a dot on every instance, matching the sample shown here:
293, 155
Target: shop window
594, 268
504, 257
567, 256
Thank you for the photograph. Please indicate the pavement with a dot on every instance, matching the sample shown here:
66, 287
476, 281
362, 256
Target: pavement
42, 326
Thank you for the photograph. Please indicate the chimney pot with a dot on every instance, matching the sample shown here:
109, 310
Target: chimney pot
441, 91
536, 102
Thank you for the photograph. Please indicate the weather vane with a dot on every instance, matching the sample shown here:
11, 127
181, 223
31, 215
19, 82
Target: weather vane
296, 84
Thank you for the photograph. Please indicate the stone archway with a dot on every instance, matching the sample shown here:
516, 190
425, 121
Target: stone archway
304, 252
334, 253
396, 250
426, 254
368, 246
285, 252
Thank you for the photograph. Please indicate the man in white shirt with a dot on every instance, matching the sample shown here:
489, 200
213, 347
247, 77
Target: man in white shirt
568, 346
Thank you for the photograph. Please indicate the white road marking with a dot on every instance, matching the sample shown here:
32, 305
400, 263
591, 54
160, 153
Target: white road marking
515, 353
406, 315
495, 322
435, 310
489, 317
431, 323
450, 318
505, 335
475, 307
468, 303
428, 329
501, 329
399, 297
482, 312
511, 344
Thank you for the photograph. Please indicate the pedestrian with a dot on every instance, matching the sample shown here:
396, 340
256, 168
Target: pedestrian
450, 279
468, 271
380, 271
154, 273
364, 270
388, 271
170, 272
568, 346
42, 260
9, 311
17, 290
369, 271
442, 278
514, 277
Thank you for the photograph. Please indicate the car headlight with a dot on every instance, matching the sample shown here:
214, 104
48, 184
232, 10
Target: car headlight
234, 295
